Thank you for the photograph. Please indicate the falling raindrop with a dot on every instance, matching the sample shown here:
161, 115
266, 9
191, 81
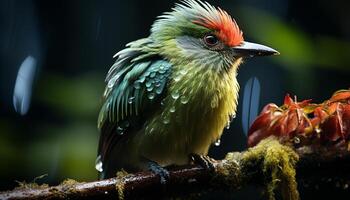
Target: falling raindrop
99, 164
23, 86
217, 142
184, 99
175, 94
131, 100
137, 85
172, 109
151, 95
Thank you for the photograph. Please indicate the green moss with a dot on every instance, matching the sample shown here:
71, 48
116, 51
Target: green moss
33, 184
120, 185
278, 167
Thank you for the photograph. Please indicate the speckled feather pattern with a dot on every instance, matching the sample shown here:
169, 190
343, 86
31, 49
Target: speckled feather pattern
194, 114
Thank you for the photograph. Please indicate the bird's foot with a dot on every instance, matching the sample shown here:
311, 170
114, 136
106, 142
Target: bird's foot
204, 161
159, 170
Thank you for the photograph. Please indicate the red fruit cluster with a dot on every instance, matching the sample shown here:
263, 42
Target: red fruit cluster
305, 123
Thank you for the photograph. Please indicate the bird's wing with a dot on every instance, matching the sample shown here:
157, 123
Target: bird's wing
135, 85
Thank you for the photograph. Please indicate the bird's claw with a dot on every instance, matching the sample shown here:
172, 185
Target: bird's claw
204, 161
159, 170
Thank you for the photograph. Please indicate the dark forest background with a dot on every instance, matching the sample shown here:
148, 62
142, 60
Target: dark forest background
48, 126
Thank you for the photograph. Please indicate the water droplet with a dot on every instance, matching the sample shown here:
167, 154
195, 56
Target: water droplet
177, 78
131, 100
99, 164
296, 140
106, 192
148, 83
217, 142
120, 130
228, 125
111, 83
166, 118
175, 94
183, 72
233, 116
157, 84
151, 95
137, 85
142, 79
318, 130
149, 88
162, 102
172, 109
184, 99
158, 90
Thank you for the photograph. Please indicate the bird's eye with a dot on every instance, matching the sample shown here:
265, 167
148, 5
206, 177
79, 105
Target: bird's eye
210, 40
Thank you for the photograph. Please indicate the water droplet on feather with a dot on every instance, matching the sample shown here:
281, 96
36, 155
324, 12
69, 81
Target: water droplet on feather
217, 142
137, 85
99, 164
184, 99
131, 100
151, 95
175, 94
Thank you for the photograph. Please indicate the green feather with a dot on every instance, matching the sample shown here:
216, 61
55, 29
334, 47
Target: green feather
150, 88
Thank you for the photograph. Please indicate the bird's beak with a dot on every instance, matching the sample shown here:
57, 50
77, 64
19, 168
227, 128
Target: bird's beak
248, 49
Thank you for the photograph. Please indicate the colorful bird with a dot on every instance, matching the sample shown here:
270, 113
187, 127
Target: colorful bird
170, 95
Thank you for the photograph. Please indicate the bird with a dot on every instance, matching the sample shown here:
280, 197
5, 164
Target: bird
171, 94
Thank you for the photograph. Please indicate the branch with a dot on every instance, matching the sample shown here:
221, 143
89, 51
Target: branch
231, 173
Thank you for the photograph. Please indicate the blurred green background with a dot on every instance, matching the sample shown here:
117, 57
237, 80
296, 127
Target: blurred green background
72, 43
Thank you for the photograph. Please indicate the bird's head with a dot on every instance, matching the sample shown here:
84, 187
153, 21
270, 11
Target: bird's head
196, 31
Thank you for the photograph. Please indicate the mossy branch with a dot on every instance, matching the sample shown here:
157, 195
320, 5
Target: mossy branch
268, 164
